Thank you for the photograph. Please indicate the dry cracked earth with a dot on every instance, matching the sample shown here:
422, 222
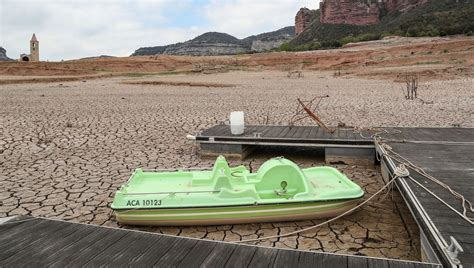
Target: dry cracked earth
66, 148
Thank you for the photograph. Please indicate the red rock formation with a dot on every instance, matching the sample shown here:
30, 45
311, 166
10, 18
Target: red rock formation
355, 12
362, 12
302, 20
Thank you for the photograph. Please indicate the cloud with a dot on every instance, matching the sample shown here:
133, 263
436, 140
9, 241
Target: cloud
247, 17
69, 29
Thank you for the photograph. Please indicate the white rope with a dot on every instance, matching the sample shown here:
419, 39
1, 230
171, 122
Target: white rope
400, 171
442, 201
326, 222
466, 204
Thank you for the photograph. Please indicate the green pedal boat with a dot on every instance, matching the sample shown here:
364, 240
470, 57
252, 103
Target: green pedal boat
279, 191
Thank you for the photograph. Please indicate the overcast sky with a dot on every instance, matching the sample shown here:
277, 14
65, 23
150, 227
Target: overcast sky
70, 29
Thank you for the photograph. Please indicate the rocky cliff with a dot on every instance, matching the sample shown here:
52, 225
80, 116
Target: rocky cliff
362, 12
214, 44
354, 12
303, 19
3, 55
208, 44
268, 41
397, 17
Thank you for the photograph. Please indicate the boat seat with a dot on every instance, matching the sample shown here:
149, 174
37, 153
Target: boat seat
280, 178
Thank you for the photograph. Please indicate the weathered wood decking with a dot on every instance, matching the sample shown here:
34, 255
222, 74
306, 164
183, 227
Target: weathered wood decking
450, 158
290, 136
445, 153
36, 242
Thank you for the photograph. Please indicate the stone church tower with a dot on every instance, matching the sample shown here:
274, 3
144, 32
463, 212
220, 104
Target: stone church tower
34, 48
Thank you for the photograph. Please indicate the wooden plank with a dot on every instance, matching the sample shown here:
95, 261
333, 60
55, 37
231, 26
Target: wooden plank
38, 245
176, 253
137, 257
223, 130
299, 134
310, 260
263, 257
19, 233
283, 130
306, 132
250, 130
334, 261
357, 262
465, 238
318, 133
291, 132
117, 250
325, 135
154, 253
70, 252
312, 133
286, 258
351, 135
425, 265
22, 239
14, 224
377, 263
401, 264
90, 250
55, 253
467, 255
210, 132
219, 256
343, 134
241, 256
276, 130
198, 254
132, 253
268, 130
41, 254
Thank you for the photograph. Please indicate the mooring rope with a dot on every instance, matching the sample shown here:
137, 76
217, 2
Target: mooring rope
382, 142
400, 172
466, 204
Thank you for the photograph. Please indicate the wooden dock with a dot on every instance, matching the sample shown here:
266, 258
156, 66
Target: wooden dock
219, 140
445, 153
448, 155
38, 242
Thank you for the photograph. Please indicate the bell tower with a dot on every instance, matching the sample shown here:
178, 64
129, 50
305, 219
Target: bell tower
34, 48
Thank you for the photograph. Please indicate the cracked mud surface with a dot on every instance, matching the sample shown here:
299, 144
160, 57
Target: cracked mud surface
65, 149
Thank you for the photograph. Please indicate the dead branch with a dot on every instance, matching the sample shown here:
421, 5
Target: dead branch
307, 109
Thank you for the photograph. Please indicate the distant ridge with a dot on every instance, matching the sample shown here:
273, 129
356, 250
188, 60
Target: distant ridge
215, 43
97, 57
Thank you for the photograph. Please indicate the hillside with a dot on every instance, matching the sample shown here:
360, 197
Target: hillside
435, 18
3, 55
214, 44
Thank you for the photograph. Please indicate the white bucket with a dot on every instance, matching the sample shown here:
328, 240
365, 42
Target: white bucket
237, 124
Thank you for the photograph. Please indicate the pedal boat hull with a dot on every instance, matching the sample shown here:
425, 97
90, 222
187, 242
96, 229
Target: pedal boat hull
279, 191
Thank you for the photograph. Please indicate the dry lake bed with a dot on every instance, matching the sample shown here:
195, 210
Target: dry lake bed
65, 148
